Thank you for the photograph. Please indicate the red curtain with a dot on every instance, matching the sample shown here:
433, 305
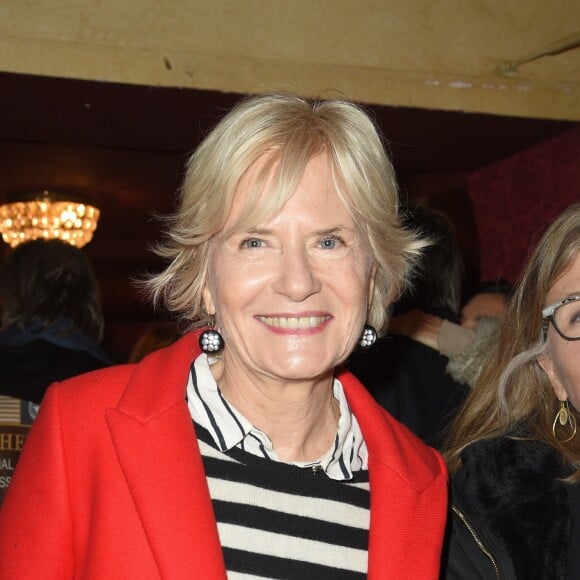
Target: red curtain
516, 198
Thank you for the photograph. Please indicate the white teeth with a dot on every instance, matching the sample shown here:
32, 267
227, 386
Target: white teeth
293, 322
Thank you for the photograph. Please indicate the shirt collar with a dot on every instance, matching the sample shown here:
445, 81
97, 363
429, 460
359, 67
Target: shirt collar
229, 428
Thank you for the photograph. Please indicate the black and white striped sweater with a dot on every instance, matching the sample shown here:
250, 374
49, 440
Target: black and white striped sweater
277, 520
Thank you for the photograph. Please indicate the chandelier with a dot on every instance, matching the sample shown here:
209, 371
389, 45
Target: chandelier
47, 215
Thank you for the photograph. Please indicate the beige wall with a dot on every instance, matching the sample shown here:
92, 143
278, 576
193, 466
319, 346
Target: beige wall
443, 54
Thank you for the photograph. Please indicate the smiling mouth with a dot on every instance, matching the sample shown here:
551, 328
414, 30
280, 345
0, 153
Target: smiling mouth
295, 322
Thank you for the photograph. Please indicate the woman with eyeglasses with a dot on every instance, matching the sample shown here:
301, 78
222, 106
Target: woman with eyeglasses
514, 450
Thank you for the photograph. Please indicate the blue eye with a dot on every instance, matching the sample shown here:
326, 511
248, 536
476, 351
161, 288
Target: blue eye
252, 243
329, 243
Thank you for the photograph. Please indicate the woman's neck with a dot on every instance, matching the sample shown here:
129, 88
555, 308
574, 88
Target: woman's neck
299, 417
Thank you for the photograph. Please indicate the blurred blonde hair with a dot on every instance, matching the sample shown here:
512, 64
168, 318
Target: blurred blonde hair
288, 131
512, 388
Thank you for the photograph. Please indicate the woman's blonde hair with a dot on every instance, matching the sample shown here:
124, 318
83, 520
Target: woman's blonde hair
513, 390
286, 131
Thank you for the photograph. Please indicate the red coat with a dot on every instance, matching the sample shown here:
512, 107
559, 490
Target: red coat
111, 484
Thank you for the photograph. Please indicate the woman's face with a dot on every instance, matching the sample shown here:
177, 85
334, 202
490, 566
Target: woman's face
562, 364
290, 295
482, 305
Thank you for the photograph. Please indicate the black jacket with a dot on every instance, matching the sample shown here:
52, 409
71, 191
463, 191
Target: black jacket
410, 381
30, 362
511, 515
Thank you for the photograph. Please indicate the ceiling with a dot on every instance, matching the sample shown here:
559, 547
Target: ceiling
516, 58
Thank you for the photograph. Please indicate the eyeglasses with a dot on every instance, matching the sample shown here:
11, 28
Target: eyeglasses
565, 316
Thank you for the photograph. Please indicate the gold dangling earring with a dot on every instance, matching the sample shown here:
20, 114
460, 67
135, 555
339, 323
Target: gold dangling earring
564, 417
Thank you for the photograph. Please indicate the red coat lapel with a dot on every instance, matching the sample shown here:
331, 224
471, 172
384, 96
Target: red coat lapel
408, 493
156, 445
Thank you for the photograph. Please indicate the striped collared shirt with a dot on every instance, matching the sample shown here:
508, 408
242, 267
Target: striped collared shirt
229, 428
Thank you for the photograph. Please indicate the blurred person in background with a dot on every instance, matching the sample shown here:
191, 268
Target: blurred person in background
405, 375
52, 325
488, 301
466, 345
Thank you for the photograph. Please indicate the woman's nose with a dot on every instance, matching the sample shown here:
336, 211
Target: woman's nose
296, 278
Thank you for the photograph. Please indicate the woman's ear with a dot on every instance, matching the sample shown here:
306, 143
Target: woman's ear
208, 300
372, 277
546, 362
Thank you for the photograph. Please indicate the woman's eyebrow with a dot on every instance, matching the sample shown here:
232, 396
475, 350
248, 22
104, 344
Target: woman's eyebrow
258, 231
334, 230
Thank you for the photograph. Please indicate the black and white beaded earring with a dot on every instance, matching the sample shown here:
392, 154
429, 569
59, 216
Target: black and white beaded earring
210, 340
368, 337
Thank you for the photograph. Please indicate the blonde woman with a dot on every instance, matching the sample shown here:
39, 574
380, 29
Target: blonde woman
245, 450
514, 449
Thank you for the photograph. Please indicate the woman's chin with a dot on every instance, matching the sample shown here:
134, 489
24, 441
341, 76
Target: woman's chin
302, 369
